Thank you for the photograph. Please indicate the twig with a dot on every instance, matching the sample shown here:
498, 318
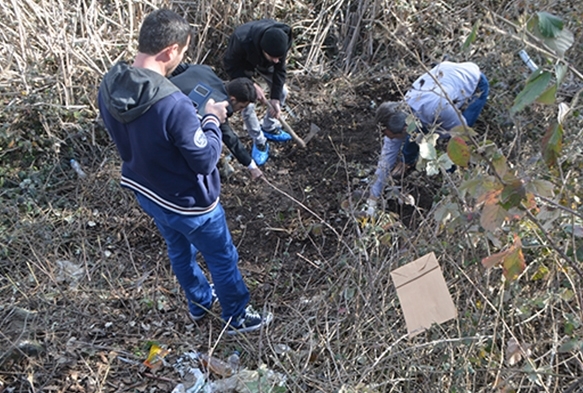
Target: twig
287, 127
559, 206
539, 46
550, 241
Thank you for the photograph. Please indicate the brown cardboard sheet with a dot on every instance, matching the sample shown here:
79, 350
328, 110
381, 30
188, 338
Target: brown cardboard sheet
423, 294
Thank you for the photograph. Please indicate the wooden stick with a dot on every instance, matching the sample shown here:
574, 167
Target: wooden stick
286, 127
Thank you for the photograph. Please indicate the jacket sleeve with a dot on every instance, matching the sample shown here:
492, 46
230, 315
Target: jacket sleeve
278, 80
199, 142
234, 144
279, 69
389, 153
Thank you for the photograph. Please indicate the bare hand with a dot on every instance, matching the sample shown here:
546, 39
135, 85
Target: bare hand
255, 173
260, 94
275, 109
219, 109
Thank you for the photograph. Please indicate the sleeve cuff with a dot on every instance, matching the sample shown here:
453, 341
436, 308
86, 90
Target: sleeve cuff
210, 118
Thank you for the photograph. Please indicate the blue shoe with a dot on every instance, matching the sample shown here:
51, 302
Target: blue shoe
260, 156
204, 310
277, 135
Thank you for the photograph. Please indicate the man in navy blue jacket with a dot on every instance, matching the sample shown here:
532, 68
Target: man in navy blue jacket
170, 162
261, 46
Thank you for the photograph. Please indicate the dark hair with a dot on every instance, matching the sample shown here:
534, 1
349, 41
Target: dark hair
389, 115
161, 29
242, 89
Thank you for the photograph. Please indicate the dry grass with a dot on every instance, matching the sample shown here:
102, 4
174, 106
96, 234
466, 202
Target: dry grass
83, 326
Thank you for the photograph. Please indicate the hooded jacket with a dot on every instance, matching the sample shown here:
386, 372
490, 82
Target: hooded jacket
244, 53
168, 156
186, 77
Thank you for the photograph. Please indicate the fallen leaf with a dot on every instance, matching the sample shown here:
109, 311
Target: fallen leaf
515, 352
157, 353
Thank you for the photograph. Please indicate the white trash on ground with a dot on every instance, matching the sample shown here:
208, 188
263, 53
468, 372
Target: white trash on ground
241, 380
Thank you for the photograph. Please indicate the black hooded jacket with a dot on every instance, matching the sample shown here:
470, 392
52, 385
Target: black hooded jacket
244, 53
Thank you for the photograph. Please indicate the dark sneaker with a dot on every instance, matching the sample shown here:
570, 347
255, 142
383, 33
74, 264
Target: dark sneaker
260, 154
250, 321
214, 299
277, 135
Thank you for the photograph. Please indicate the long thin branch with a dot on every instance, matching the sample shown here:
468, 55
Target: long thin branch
538, 45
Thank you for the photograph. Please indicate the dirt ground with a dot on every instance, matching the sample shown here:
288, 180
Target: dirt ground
281, 237
85, 281
286, 228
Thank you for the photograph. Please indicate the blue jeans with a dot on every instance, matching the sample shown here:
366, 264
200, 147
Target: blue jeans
209, 234
410, 150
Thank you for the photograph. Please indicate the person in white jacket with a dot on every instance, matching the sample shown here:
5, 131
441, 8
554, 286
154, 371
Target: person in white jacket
449, 95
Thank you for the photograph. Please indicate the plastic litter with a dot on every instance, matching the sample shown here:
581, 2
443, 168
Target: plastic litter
527, 60
77, 168
217, 366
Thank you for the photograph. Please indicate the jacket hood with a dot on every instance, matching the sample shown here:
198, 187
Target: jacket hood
128, 92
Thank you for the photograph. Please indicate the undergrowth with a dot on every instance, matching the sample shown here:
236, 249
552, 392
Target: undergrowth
86, 283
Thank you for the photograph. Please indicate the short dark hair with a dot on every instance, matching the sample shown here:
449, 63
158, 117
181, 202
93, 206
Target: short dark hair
242, 89
390, 116
161, 29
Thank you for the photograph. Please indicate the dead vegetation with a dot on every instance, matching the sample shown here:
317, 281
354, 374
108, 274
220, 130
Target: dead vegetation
85, 283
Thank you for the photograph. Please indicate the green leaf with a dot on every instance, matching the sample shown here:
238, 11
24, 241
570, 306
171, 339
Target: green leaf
570, 345
463, 131
549, 96
512, 194
550, 26
412, 123
561, 42
536, 73
499, 163
560, 73
458, 151
471, 186
349, 293
552, 144
541, 187
535, 86
575, 230
445, 161
472, 37
446, 212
